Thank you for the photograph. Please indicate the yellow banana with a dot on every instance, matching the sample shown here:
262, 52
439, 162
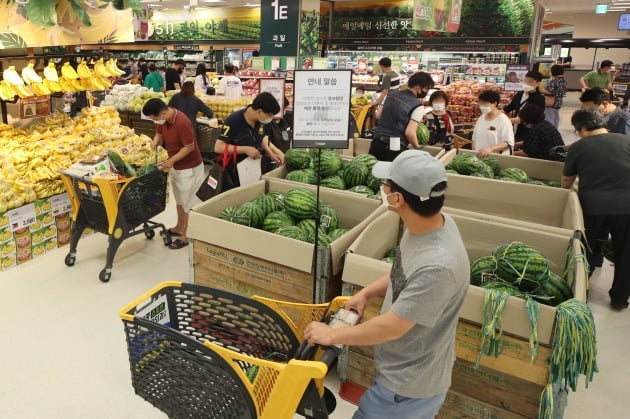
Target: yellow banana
50, 72
76, 84
12, 77
6, 93
53, 86
113, 67
68, 72
41, 89
101, 70
29, 75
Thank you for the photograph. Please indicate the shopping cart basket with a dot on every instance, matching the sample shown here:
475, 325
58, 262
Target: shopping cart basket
199, 352
115, 208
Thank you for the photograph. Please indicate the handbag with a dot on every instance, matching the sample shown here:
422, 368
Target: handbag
219, 179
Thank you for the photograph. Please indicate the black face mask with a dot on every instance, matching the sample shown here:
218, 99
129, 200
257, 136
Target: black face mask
180, 71
421, 95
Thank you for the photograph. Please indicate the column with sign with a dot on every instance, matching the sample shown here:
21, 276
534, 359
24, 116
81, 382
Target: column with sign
280, 21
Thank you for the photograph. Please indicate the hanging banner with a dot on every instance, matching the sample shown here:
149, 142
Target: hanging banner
279, 32
321, 108
437, 15
309, 28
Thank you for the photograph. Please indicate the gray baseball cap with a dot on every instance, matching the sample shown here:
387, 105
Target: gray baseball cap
415, 171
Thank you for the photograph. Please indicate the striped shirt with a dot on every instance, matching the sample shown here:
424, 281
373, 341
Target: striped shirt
391, 81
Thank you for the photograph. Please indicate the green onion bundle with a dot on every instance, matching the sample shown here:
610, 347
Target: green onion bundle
492, 328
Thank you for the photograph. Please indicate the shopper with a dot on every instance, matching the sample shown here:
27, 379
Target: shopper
133, 67
280, 134
143, 68
400, 116
154, 79
493, 131
602, 162
440, 121
359, 98
554, 95
127, 76
230, 86
243, 135
543, 136
175, 132
529, 94
414, 336
202, 82
598, 78
189, 104
389, 82
617, 120
173, 75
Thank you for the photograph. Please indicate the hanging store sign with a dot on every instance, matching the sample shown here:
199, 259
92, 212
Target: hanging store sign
34, 107
321, 108
280, 25
437, 16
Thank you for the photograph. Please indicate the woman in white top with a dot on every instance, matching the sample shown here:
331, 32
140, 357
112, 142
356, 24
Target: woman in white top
493, 132
202, 82
230, 86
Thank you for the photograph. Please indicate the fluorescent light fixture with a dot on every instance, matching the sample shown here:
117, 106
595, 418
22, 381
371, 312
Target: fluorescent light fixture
213, 1
251, 5
601, 9
156, 5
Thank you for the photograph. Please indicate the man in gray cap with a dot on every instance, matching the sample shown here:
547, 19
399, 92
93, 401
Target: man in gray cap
415, 333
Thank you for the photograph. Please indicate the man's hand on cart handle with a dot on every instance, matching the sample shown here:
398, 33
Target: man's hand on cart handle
357, 303
318, 333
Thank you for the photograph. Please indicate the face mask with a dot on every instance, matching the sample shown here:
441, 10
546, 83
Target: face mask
527, 88
359, 95
485, 110
160, 122
421, 95
266, 121
439, 106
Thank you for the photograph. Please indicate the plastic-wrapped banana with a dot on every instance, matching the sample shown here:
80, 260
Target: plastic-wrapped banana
29, 75
50, 72
12, 77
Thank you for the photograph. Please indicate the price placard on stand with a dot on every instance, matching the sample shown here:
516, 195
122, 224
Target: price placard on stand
33, 107
275, 86
321, 108
60, 204
22, 217
514, 76
258, 63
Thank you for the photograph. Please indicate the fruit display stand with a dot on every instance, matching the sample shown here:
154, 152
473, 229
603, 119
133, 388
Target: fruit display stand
508, 386
249, 261
538, 207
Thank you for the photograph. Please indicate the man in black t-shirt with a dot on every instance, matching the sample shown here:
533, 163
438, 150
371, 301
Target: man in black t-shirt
173, 75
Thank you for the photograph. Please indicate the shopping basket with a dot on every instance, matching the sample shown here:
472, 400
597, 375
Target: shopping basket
200, 352
120, 209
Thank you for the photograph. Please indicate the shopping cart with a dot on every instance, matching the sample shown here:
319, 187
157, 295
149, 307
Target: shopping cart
120, 209
200, 352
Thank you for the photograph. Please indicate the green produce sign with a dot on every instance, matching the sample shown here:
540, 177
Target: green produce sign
279, 33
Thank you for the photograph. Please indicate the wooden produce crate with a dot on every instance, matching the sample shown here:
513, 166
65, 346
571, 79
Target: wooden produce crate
251, 261
536, 207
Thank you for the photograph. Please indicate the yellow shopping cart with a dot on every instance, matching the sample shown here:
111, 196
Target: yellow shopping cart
201, 352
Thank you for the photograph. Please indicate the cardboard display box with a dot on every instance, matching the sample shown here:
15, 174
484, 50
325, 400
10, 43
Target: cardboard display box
538, 169
531, 206
275, 263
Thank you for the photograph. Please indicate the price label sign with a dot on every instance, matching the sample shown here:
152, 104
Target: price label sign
60, 204
275, 86
321, 108
22, 217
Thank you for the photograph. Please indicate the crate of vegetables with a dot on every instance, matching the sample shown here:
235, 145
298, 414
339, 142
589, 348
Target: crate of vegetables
259, 239
343, 173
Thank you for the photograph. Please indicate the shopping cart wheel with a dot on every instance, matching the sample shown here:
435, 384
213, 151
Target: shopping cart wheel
70, 259
149, 234
105, 275
167, 239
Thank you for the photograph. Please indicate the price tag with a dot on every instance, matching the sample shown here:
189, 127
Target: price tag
60, 204
22, 217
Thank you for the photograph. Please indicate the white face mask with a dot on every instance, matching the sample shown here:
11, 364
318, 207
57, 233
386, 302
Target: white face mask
439, 106
266, 121
527, 88
159, 122
485, 110
359, 95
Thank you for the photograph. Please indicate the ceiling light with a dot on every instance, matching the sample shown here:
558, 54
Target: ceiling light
251, 5
213, 1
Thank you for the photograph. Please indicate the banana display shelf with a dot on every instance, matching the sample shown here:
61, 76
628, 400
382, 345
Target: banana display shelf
42, 227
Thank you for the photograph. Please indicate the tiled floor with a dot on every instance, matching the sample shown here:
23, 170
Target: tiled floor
63, 352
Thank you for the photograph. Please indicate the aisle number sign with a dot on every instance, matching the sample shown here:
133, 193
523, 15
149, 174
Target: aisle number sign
321, 108
279, 27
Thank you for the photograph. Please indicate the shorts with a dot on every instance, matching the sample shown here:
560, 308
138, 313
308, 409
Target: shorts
185, 184
378, 402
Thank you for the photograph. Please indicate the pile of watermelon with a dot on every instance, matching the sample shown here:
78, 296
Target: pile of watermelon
520, 270
469, 164
355, 176
390, 256
291, 215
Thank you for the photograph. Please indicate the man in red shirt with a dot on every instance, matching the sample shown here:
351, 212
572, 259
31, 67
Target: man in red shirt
175, 133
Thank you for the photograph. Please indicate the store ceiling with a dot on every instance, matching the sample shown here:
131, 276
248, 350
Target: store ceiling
584, 6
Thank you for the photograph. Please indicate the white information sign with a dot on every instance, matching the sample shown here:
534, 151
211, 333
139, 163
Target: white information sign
60, 204
321, 108
22, 217
275, 86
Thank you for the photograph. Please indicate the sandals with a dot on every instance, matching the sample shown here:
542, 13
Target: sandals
178, 244
173, 233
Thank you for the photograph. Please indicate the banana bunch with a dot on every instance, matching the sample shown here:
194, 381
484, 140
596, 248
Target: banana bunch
56, 118
68, 72
6, 92
113, 67
102, 70
53, 86
29, 75
12, 77
70, 85
13, 80
50, 72
84, 71
40, 89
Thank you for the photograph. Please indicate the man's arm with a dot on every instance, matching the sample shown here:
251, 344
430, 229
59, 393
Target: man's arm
272, 151
412, 133
183, 152
584, 79
157, 140
567, 181
381, 97
220, 145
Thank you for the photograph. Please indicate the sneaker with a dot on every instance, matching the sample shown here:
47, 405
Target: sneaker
618, 306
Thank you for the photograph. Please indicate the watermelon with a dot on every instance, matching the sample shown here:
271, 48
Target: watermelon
374, 183
249, 214
502, 286
514, 174
422, 132
355, 175
466, 163
494, 164
324, 239
279, 200
481, 268
485, 171
389, 260
391, 253
451, 171
375, 197
340, 172
228, 214
330, 163
554, 184
335, 234
292, 232
329, 220
364, 190
301, 204
314, 152
366, 160
521, 265
296, 159
553, 291
536, 182
277, 220
267, 204
334, 182
307, 176
308, 227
